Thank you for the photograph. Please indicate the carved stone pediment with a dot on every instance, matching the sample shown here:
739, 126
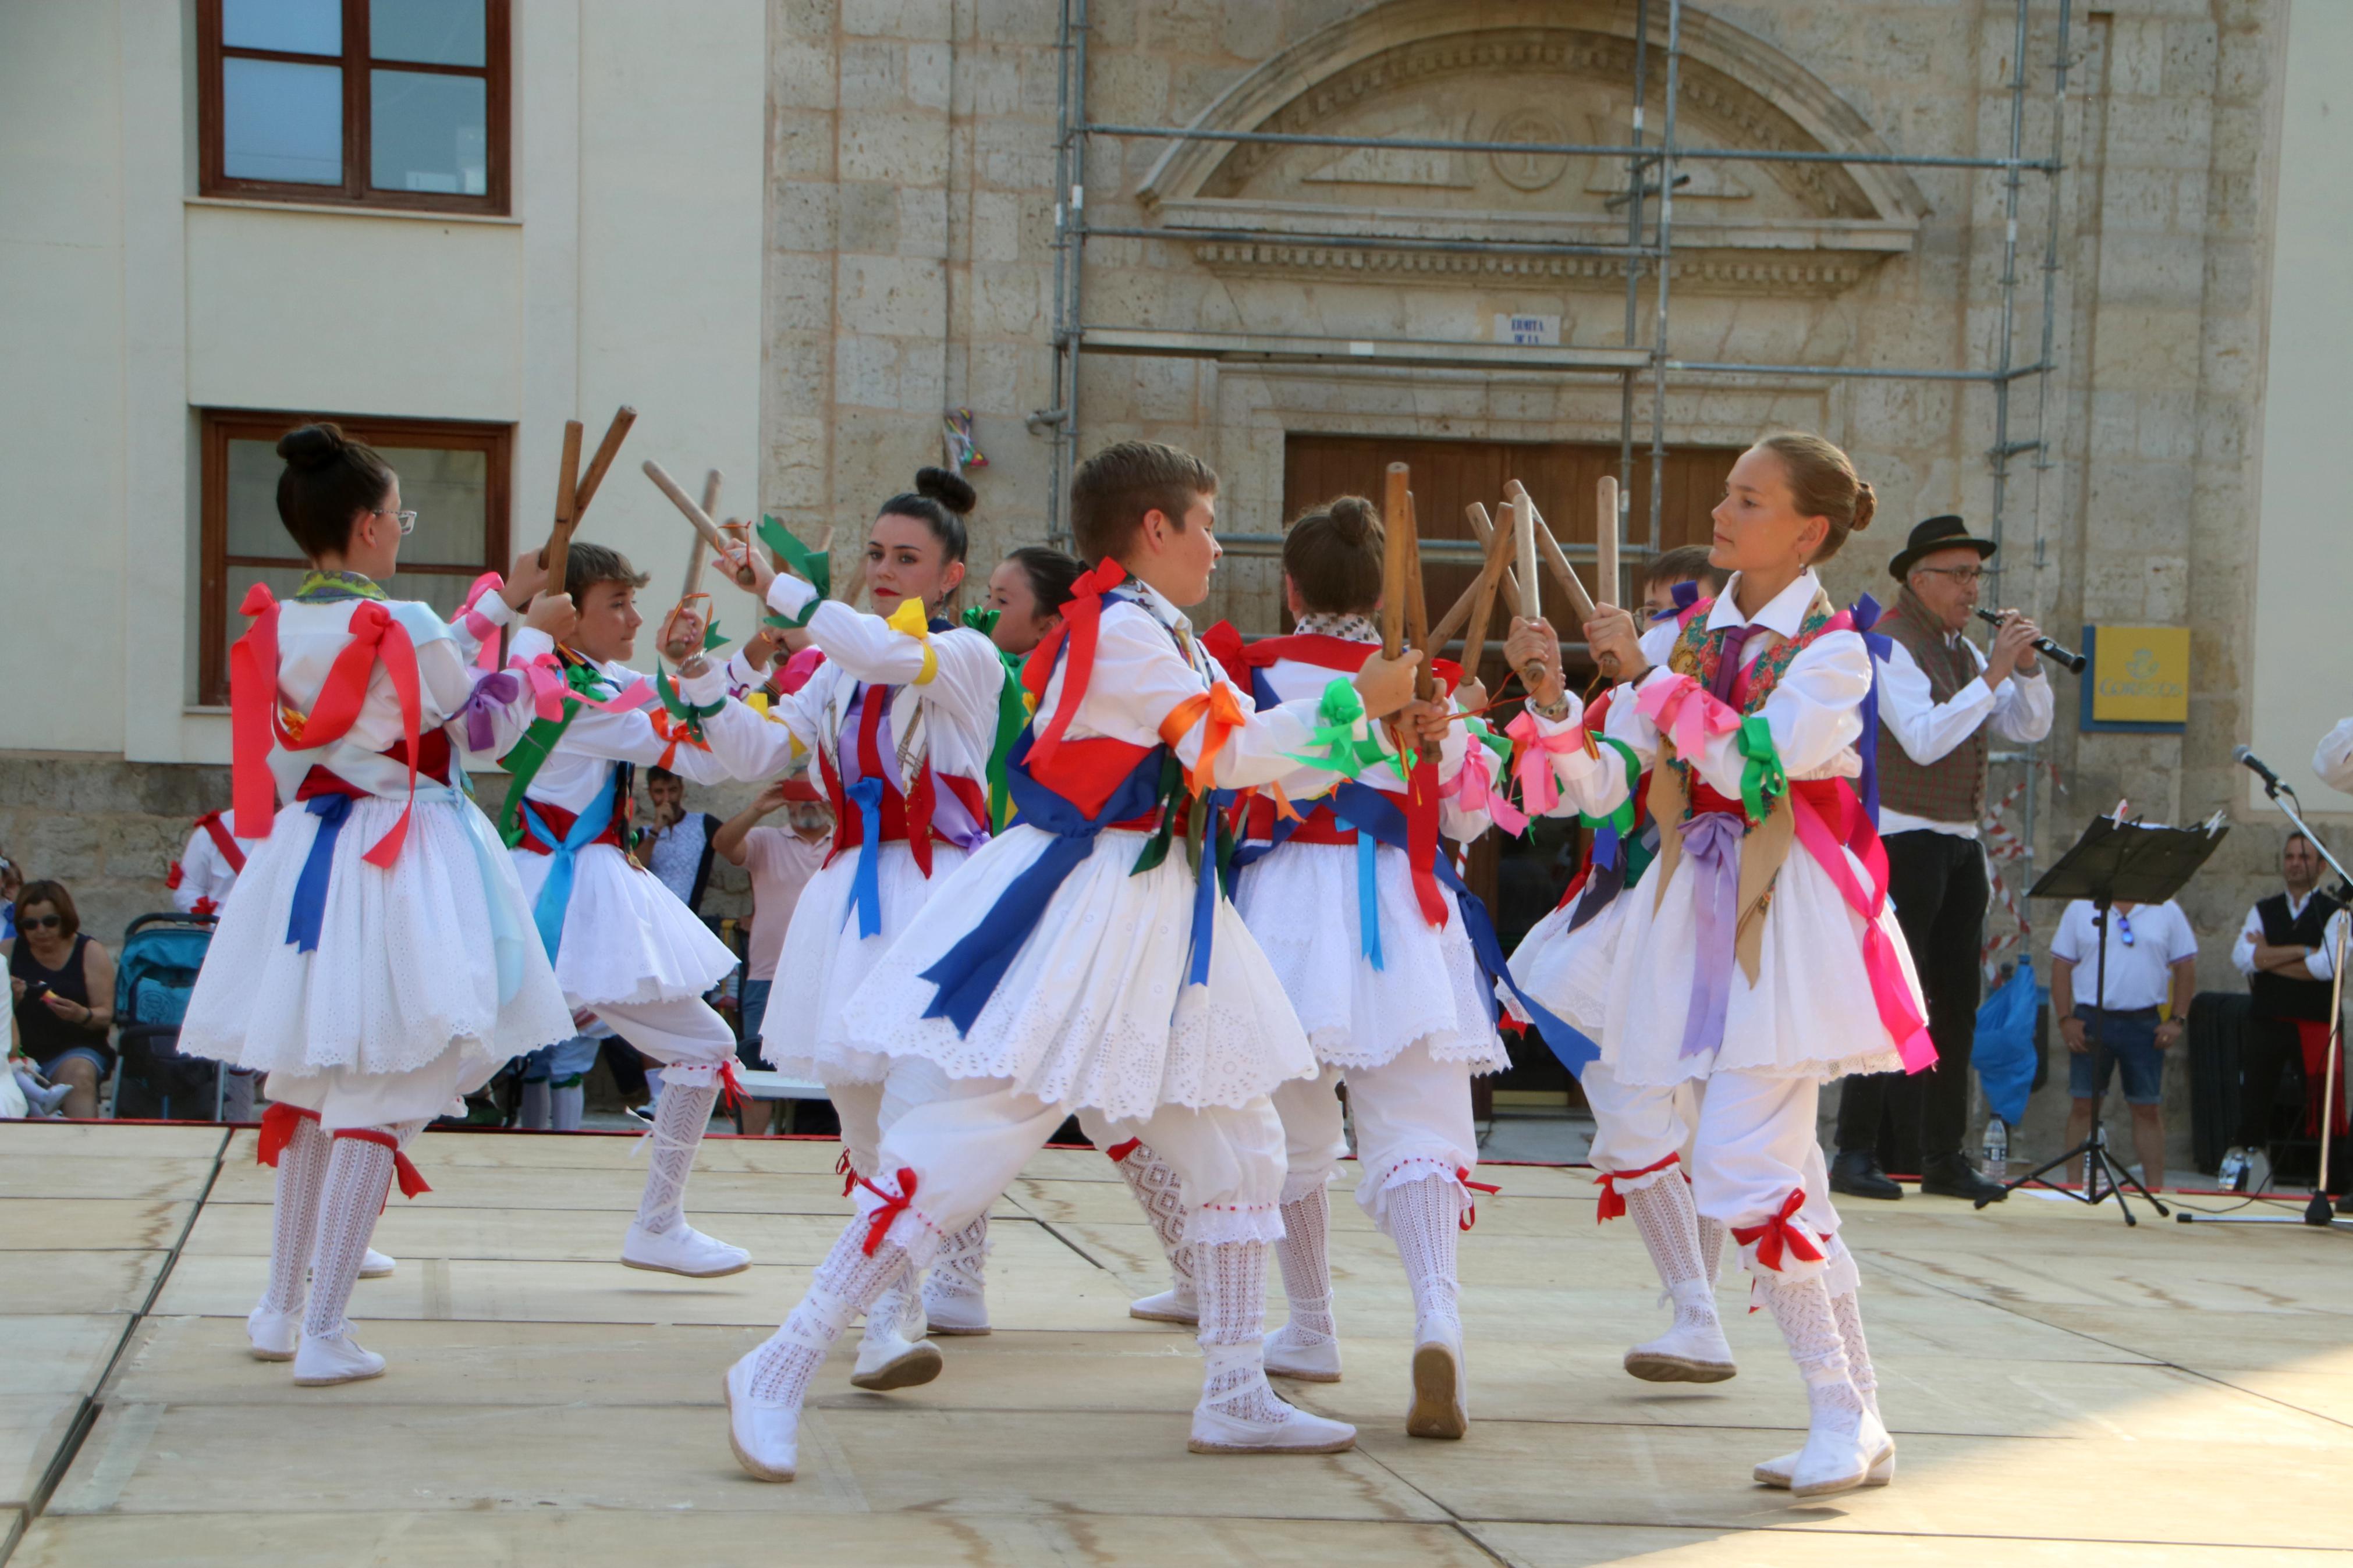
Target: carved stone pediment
1539, 73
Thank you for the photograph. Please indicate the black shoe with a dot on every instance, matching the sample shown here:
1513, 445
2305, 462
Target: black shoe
1954, 1177
1857, 1175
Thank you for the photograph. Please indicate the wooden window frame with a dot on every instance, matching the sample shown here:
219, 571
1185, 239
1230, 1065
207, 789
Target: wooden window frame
213, 180
221, 425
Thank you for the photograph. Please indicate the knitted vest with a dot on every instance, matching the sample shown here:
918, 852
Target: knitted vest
2279, 995
1952, 788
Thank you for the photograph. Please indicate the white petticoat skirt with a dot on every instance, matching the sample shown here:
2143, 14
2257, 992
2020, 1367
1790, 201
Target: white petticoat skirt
1810, 1013
1302, 905
1568, 971
427, 976
627, 938
1094, 1009
824, 959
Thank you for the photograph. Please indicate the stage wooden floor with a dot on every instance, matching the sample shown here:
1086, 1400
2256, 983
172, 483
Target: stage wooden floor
2065, 1390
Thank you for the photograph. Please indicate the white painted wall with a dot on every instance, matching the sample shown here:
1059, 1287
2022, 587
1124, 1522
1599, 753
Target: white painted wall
629, 272
2302, 675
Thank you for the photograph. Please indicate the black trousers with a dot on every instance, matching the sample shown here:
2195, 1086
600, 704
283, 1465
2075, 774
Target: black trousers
1937, 884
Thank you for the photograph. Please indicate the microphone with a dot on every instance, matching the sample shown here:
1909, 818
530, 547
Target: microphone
2073, 662
2246, 758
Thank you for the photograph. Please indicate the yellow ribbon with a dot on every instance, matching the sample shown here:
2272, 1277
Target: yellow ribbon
915, 621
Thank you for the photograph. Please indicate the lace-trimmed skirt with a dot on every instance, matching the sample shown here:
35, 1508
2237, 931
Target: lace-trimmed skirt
1301, 903
1568, 971
1095, 1010
627, 938
824, 959
405, 980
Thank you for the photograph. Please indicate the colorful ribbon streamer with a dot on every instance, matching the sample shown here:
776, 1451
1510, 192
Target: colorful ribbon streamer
815, 566
865, 882
1712, 846
555, 893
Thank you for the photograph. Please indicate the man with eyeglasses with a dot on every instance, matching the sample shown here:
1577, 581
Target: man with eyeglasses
2151, 974
1941, 703
2286, 949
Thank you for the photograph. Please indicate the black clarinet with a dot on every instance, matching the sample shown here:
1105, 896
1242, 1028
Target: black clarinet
2051, 650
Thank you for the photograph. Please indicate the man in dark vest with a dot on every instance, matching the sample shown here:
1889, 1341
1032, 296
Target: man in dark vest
1941, 703
2286, 949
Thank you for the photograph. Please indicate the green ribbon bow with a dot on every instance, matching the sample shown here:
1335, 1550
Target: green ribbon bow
810, 564
678, 708
1624, 817
1484, 734
523, 761
1337, 748
1762, 780
981, 619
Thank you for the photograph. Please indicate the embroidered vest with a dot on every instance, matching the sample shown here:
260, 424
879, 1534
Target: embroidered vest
1952, 788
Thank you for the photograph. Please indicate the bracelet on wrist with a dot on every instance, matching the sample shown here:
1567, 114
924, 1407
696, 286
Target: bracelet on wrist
1557, 709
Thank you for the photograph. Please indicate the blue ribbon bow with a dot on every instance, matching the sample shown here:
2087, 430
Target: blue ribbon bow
310, 906
1866, 612
555, 893
865, 884
1368, 899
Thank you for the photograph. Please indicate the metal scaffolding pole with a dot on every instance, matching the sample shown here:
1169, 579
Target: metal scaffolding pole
1665, 265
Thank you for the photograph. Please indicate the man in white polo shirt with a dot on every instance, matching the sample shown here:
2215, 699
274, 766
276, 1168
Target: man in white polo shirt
2152, 971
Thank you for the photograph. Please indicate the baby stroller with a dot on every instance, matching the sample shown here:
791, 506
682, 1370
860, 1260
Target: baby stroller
160, 955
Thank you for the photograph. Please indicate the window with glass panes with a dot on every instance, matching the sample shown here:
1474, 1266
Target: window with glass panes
452, 475
383, 103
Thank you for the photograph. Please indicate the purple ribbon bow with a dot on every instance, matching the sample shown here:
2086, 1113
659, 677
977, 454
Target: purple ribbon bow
1712, 841
1727, 670
490, 693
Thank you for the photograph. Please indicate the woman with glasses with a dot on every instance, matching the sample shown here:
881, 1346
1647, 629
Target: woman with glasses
1942, 703
63, 985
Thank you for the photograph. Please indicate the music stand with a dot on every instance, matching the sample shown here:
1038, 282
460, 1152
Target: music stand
2135, 864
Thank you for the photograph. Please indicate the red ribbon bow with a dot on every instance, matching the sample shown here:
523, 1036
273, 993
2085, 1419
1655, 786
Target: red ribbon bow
1779, 1234
847, 1172
1613, 1204
1120, 1151
1081, 628
878, 1224
412, 1180
1471, 1211
277, 1125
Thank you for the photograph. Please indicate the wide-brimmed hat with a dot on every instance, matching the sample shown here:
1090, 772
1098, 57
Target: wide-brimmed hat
1945, 533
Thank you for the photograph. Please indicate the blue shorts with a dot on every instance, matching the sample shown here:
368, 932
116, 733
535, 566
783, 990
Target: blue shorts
91, 1054
753, 1008
564, 1060
2121, 1040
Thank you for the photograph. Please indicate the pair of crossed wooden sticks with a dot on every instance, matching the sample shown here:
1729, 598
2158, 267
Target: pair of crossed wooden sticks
1510, 568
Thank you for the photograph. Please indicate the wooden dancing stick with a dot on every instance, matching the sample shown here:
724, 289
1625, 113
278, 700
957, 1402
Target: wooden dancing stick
695, 515
557, 555
1474, 609
1417, 607
606, 450
1486, 533
696, 556
1523, 549
1605, 536
1396, 554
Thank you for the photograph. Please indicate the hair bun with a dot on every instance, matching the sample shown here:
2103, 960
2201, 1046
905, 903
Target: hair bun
947, 487
312, 445
1354, 518
1866, 504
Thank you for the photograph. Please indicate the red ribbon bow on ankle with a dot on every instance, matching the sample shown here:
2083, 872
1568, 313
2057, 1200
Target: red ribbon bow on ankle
1613, 1204
847, 1172
1120, 1151
277, 1125
1778, 1233
412, 1180
878, 1224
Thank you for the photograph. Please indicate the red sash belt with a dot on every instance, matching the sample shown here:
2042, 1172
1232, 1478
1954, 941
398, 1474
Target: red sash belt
432, 759
559, 822
1318, 826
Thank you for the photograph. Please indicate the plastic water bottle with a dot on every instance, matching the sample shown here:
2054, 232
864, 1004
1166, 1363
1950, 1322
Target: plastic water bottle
1995, 1160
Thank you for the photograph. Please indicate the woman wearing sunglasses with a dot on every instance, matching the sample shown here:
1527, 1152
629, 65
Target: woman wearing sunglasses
63, 985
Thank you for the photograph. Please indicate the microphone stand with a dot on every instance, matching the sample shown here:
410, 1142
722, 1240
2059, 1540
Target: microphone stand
2317, 1213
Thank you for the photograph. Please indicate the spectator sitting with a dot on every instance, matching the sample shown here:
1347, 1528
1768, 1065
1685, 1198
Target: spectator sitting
1670, 568
781, 865
63, 985
2152, 971
2285, 949
676, 847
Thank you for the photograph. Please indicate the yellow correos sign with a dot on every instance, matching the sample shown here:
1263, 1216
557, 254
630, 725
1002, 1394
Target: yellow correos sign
2140, 675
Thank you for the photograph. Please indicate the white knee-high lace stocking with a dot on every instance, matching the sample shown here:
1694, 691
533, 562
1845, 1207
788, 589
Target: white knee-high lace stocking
847, 1283
1232, 1279
1304, 1255
1158, 1190
1425, 1219
679, 1122
1669, 1224
1711, 1246
1848, 1310
1810, 1328
960, 1267
294, 1217
359, 1178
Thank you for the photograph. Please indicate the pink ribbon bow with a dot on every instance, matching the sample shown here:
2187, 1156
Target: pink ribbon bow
481, 625
550, 690
1473, 787
1532, 755
1685, 714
